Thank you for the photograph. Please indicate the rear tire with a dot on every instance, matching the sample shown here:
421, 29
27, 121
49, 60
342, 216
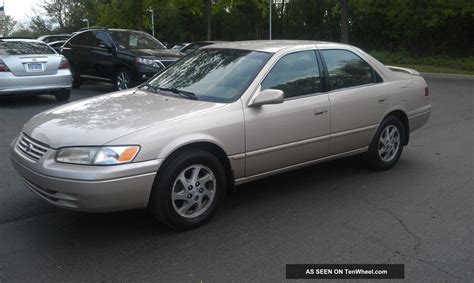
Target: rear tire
76, 82
76, 78
188, 190
62, 95
387, 145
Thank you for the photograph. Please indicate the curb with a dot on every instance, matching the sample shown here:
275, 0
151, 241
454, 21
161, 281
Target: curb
447, 76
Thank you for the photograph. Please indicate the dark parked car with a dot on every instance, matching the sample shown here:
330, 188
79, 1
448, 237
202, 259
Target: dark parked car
54, 37
191, 47
123, 57
56, 45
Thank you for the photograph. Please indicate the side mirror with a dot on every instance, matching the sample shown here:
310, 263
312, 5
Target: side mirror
268, 96
104, 45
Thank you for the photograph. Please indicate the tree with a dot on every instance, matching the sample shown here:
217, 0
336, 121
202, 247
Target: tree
57, 11
121, 14
419, 27
7, 25
22, 31
38, 25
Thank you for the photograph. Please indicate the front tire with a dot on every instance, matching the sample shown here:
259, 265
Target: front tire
387, 145
123, 79
188, 190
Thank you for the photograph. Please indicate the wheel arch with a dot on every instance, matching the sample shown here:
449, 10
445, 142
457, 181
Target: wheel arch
400, 114
210, 147
120, 66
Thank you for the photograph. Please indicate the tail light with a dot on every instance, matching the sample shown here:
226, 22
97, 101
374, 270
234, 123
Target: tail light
426, 91
3, 66
64, 63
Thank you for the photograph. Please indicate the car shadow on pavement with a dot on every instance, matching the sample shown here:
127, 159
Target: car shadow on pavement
311, 180
87, 90
314, 179
27, 100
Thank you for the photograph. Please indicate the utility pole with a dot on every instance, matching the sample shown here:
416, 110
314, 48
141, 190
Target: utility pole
345, 21
270, 20
152, 22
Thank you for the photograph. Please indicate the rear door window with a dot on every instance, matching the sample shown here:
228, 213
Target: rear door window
346, 69
101, 39
24, 48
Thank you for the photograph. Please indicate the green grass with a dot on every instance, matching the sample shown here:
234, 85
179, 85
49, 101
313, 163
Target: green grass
431, 64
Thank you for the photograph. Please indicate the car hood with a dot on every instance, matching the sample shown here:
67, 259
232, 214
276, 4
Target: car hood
156, 53
101, 119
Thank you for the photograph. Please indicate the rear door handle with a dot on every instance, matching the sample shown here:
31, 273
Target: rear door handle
320, 112
382, 100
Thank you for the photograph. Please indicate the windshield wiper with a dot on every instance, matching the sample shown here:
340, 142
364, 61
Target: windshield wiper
152, 87
183, 93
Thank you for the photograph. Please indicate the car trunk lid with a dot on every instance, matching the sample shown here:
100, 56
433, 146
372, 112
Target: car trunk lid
25, 57
32, 65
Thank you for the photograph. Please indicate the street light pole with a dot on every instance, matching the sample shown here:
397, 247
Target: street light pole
270, 20
86, 20
152, 22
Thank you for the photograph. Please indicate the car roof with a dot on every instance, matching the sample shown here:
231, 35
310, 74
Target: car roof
123, 29
107, 29
21, 40
207, 41
54, 35
54, 42
270, 46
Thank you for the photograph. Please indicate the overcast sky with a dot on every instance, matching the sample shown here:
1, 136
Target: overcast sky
21, 10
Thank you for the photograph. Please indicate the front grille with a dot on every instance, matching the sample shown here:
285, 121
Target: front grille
31, 148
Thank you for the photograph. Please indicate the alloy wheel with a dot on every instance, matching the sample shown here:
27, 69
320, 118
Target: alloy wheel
193, 191
389, 143
123, 80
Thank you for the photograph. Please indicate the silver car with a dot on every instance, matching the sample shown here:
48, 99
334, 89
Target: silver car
227, 114
32, 67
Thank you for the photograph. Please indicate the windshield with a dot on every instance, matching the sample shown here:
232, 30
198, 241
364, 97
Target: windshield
218, 75
136, 40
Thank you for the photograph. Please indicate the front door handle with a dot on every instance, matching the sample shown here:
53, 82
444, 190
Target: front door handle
320, 112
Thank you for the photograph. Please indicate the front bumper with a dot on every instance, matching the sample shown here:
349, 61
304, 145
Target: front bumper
144, 73
11, 84
87, 188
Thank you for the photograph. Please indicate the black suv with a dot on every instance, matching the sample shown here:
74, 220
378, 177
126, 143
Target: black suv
123, 57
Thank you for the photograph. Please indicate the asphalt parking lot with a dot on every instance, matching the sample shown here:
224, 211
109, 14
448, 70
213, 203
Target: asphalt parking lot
420, 213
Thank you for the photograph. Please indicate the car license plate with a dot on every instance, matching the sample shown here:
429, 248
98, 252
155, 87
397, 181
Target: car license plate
34, 67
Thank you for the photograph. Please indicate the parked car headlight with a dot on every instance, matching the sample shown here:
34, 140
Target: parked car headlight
106, 155
149, 62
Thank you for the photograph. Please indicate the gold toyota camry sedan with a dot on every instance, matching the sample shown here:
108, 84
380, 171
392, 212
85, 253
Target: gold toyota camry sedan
227, 114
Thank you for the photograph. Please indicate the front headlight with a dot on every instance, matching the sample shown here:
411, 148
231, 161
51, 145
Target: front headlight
106, 155
149, 62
